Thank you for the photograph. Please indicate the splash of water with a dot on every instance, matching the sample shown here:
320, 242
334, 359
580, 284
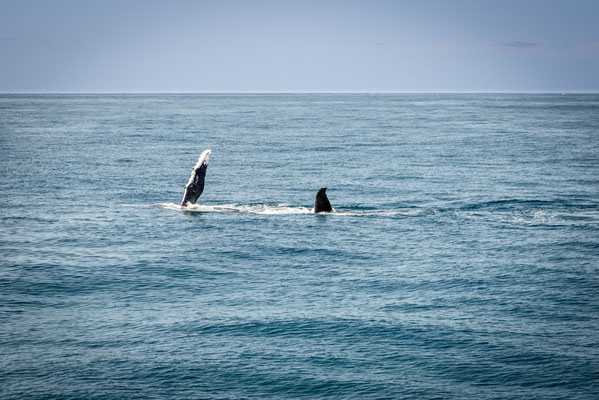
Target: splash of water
283, 209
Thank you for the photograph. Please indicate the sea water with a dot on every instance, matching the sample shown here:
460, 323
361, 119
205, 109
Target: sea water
462, 259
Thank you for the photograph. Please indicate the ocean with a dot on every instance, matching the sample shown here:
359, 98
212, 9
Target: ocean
462, 259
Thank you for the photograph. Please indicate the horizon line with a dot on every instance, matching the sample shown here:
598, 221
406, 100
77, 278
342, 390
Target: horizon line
291, 92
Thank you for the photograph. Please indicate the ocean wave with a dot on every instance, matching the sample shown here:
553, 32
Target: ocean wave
515, 217
266, 209
515, 203
516, 212
524, 211
281, 209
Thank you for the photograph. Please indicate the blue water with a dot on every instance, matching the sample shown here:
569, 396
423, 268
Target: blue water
462, 260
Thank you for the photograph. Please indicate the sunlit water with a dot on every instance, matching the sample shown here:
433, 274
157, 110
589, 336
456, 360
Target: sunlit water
461, 261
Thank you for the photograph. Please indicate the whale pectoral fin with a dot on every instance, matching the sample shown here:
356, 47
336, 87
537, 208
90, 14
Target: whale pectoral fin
195, 186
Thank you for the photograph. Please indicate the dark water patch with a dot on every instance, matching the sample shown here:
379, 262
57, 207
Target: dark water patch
509, 204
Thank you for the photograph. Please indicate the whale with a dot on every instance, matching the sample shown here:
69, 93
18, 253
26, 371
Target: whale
321, 201
195, 186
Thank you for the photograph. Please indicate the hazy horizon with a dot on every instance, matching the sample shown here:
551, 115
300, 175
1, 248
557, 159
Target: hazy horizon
291, 92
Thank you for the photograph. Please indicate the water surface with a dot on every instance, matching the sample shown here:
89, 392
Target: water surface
461, 262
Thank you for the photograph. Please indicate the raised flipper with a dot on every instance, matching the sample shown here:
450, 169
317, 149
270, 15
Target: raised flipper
195, 185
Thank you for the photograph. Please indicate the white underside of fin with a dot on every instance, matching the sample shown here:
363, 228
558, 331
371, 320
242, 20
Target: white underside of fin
202, 160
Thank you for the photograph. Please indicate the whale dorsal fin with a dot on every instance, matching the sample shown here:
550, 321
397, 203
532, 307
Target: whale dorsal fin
321, 201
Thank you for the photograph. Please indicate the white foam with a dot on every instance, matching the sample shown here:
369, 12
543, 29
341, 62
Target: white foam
282, 209
266, 209
514, 217
517, 217
381, 212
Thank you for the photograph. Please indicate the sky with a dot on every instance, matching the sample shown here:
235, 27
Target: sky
179, 46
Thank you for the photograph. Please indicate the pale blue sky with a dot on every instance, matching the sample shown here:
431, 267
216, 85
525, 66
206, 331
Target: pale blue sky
298, 46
